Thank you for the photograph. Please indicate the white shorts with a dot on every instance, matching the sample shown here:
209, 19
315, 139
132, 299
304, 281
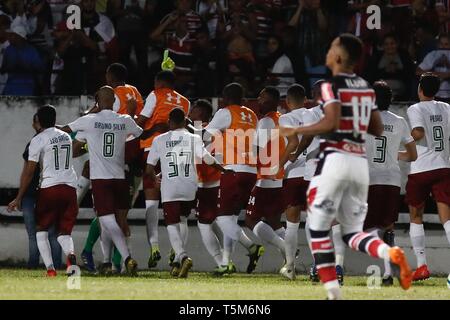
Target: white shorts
339, 192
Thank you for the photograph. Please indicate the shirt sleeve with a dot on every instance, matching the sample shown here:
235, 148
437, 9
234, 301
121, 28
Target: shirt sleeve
263, 132
406, 135
328, 93
133, 128
220, 121
153, 154
149, 106
286, 121
415, 118
80, 124
427, 63
116, 105
34, 150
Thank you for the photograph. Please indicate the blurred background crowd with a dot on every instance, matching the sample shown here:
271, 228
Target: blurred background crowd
213, 42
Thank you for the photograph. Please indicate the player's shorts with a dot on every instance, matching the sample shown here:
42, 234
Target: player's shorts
234, 192
173, 210
133, 152
265, 203
339, 192
420, 185
207, 204
294, 192
147, 183
110, 195
383, 206
57, 205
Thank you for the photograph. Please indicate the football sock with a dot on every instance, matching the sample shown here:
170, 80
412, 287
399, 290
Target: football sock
230, 228
417, 235
82, 187
291, 241
44, 249
323, 252
211, 242
109, 223
151, 220
107, 246
389, 238
93, 235
66, 243
367, 243
175, 241
266, 233
308, 234
184, 230
281, 232
228, 246
447, 230
339, 245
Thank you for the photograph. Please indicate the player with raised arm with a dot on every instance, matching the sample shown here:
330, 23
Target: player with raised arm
154, 118
385, 177
56, 205
106, 133
430, 173
178, 152
339, 188
234, 126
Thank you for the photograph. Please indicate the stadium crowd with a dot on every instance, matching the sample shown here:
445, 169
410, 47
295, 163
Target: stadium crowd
253, 42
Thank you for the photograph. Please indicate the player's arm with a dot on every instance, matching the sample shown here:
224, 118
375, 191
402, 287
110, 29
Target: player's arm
28, 170
305, 142
79, 148
375, 124
418, 133
161, 127
410, 154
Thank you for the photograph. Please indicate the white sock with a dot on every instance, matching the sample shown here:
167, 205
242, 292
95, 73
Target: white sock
308, 234
447, 230
66, 243
82, 187
281, 232
417, 235
128, 242
333, 290
387, 268
184, 230
151, 221
231, 229
291, 242
109, 223
266, 233
339, 245
45, 249
106, 245
228, 246
211, 242
176, 241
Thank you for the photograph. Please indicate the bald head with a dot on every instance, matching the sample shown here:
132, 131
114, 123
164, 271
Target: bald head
105, 97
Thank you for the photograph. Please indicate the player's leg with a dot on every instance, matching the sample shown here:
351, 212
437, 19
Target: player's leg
339, 251
441, 193
92, 237
152, 194
83, 183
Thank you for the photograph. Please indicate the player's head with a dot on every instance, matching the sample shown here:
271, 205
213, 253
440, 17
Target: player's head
429, 84
344, 53
269, 99
383, 94
444, 41
316, 90
165, 79
36, 125
116, 74
105, 97
177, 119
295, 97
46, 116
233, 93
201, 111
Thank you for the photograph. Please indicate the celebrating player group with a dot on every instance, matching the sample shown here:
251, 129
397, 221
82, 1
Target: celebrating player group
338, 161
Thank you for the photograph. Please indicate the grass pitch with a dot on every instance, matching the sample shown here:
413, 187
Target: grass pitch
25, 284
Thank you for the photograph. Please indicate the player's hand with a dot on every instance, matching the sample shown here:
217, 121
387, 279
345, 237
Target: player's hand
158, 180
287, 131
14, 205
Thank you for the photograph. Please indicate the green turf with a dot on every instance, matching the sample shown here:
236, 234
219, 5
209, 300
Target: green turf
24, 284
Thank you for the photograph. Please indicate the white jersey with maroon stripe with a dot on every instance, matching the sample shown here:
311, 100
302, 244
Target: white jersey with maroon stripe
357, 100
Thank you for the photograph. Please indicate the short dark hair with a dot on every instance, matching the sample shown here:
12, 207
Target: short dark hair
353, 46
383, 94
167, 77
296, 92
47, 116
233, 92
273, 93
206, 106
443, 35
177, 116
118, 71
429, 83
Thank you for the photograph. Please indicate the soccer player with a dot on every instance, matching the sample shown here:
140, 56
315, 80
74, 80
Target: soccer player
178, 151
154, 118
265, 205
339, 189
106, 133
385, 177
57, 199
430, 173
234, 125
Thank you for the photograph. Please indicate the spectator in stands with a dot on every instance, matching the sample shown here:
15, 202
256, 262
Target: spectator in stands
183, 8
394, 66
86, 53
424, 42
260, 13
16, 11
205, 57
438, 61
5, 23
211, 11
22, 63
279, 67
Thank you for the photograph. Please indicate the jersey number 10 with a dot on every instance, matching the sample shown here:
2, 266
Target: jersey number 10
362, 107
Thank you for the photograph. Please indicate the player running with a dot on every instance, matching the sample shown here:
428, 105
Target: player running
339, 188
56, 205
106, 133
234, 125
385, 177
178, 151
430, 173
